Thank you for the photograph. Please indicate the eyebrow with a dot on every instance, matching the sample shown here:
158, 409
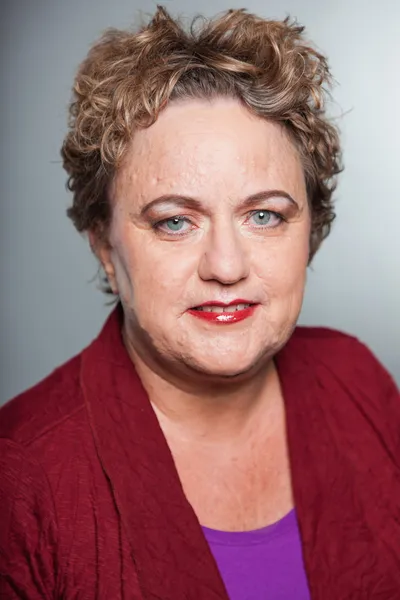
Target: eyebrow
195, 204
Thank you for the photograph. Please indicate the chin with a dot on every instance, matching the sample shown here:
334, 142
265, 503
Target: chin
223, 370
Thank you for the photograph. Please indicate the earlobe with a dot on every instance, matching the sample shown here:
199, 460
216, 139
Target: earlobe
102, 250
109, 270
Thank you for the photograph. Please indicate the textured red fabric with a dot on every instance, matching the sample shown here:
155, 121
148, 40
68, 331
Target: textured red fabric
91, 506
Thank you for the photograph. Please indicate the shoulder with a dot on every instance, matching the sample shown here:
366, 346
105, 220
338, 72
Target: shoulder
44, 406
327, 341
342, 355
342, 377
322, 335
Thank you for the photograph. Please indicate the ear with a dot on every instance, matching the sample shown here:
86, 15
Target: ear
103, 251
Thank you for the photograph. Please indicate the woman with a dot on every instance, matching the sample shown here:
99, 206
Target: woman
203, 447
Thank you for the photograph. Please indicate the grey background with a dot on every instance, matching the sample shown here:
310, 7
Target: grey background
49, 308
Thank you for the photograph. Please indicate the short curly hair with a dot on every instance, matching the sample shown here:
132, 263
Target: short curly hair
129, 77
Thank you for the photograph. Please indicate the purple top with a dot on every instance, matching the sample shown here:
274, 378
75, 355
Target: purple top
265, 564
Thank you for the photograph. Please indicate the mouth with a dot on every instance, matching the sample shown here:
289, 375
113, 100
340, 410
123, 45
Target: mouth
235, 311
220, 309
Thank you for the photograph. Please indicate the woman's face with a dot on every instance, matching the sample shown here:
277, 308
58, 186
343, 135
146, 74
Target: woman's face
209, 206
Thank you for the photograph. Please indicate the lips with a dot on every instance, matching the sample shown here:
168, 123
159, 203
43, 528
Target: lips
213, 312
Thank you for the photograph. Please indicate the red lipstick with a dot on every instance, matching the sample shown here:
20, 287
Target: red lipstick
243, 309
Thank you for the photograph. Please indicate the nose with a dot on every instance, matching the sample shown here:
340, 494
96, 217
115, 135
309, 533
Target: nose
224, 259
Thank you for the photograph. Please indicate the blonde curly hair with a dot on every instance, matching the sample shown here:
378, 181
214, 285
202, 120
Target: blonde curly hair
129, 77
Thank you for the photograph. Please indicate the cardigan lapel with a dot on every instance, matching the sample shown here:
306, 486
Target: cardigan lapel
346, 485
171, 555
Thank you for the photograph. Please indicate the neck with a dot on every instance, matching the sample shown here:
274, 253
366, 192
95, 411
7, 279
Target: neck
210, 412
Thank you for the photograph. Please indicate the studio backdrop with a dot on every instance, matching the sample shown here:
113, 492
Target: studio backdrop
51, 308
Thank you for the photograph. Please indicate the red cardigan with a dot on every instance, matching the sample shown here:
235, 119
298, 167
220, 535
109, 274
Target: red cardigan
91, 506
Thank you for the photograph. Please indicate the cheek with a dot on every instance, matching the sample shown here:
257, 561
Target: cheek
152, 278
283, 268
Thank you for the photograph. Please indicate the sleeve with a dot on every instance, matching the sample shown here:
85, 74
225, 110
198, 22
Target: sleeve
28, 532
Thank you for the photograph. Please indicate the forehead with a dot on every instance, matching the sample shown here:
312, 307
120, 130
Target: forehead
205, 149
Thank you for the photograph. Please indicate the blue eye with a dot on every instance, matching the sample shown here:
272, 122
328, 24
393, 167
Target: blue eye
261, 217
175, 224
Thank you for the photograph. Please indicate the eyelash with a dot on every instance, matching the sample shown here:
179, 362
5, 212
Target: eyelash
157, 226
